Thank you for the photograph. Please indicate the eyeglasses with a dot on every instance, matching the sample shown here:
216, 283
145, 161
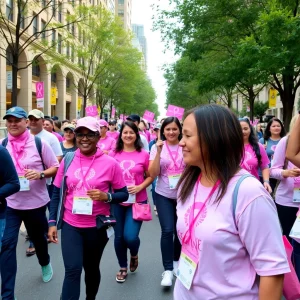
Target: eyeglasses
89, 136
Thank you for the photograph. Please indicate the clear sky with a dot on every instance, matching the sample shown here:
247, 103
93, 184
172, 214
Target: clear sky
142, 14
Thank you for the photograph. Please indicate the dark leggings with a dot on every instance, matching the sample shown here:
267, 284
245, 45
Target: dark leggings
82, 248
169, 243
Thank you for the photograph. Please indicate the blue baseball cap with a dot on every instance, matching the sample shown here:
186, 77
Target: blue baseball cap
17, 112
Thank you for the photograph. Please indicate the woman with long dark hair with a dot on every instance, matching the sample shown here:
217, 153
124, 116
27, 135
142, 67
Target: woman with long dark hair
134, 162
255, 157
49, 126
167, 164
224, 247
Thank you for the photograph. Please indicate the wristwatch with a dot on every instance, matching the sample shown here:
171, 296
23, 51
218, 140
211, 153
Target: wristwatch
42, 175
109, 198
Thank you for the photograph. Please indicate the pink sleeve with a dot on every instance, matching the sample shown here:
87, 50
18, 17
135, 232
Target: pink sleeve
146, 164
49, 158
113, 144
111, 153
153, 152
264, 157
264, 245
278, 159
59, 175
117, 181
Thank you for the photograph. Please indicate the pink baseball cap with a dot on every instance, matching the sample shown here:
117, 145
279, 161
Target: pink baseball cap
88, 122
103, 123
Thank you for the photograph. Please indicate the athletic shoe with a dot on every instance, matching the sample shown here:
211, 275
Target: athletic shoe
47, 273
175, 267
167, 278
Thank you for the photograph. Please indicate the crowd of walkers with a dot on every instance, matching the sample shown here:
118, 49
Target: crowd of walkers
224, 192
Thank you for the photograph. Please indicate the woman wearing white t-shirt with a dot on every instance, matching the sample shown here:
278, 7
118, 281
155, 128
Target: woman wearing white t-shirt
224, 246
166, 163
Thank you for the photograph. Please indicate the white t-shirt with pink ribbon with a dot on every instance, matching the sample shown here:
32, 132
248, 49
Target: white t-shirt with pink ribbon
170, 161
231, 252
86, 173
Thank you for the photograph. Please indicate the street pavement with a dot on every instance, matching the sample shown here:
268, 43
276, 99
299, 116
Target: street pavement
142, 285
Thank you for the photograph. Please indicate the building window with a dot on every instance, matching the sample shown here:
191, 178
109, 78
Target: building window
68, 83
73, 29
53, 37
22, 19
59, 43
10, 10
68, 49
121, 12
121, 2
35, 25
68, 20
36, 69
72, 54
43, 30
53, 8
60, 12
9, 57
53, 77
44, 3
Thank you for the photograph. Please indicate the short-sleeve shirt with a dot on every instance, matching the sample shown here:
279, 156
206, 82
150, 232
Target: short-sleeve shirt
113, 134
270, 149
51, 140
166, 165
250, 162
107, 144
134, 165
66, 150
103, 174
232, 251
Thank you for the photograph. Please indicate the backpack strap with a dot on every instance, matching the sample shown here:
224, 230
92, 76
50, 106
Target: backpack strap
68, 160
235, 193
4, 142
38, 144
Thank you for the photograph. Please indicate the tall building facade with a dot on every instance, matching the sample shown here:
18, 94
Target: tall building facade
123, 9
61, 77
138, 31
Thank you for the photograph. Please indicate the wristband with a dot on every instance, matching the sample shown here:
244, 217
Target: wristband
266, 181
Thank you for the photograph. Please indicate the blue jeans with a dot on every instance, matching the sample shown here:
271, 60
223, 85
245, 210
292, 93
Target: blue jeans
34, 220
126, 233
154, 194
169, 242
82, 248
2, 227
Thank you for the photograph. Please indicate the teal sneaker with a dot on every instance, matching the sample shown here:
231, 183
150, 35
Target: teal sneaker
47, 273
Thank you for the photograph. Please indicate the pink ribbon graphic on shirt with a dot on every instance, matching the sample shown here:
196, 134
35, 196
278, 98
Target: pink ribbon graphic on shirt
174, 166
77, 174
248, 156
126, 166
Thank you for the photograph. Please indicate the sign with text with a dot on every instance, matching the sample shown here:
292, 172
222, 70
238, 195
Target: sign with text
149, 116
91, 111
272, 98
39, 92
175, 111
53, 95
79, 104
9, 80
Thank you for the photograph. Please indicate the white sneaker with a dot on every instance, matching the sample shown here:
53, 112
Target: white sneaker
167, 278
175, 267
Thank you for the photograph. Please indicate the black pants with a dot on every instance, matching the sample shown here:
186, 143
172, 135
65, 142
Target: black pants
169, 242
34, 220
82, 247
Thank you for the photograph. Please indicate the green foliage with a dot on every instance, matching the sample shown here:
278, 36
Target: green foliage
260, 108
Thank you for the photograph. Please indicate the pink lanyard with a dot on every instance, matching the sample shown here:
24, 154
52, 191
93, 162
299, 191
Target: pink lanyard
86, 174
188, 234
16, 157
174, 159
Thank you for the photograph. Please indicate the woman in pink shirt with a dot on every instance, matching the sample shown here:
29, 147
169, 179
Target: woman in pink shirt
112, 132
81, 199
255, 156
106, 143
49, 126
166, 163
143, 126
134, 162
224, 246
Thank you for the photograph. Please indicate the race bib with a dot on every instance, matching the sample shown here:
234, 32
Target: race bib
132, 197
295, 232
24, 183
187, 266
173, 179
296, 196
82, 205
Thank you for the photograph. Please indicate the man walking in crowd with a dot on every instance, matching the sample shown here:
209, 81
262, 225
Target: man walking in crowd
29, 204
136, 120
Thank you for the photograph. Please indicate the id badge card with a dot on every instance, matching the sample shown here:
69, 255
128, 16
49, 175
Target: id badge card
173, 177
24, 183
82, 205
296, 196
188, 262
132, 197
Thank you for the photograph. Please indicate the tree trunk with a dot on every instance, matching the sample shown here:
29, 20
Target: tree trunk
287, 97
111, 107
84, 103
251, 102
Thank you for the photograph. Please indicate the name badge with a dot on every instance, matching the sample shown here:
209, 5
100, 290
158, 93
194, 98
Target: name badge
24, 184
296, 196
187, 266
173, 179
82, 205
132, 197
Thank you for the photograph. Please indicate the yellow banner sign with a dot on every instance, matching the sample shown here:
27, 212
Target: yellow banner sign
272, 98
53, 95
79, 104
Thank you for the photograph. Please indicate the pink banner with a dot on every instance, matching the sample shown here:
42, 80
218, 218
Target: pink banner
113, 112
91, 111
39, 92
149, 116
175, 111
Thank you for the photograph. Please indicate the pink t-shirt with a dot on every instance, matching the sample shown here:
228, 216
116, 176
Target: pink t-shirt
38, 195
166, 165
133, 165
113, 134
107, 144
232, 253
102, 174
250, 162
59, 137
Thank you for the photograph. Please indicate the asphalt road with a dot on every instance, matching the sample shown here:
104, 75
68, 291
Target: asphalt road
144, 284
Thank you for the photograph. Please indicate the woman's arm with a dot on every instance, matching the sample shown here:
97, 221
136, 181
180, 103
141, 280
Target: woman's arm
266, 177
293, 148
136, 189
154, 165
270, 287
